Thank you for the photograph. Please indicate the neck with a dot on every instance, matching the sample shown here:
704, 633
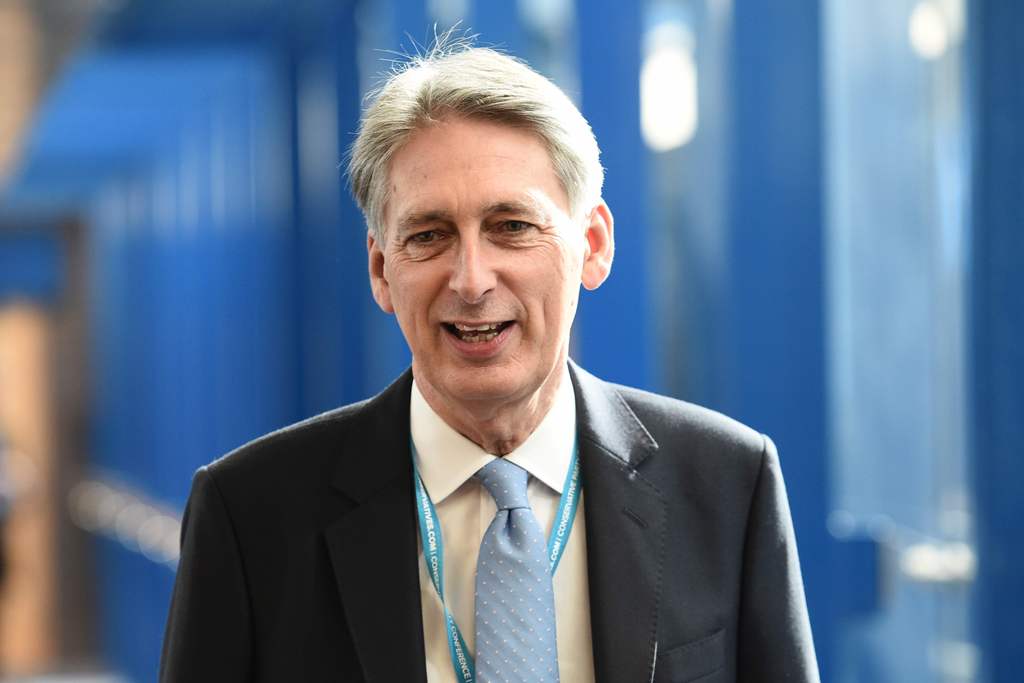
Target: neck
498, 427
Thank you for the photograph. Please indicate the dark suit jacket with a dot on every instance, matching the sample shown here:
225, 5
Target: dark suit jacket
299, 550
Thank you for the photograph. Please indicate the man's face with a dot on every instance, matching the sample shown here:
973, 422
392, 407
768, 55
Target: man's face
481, 261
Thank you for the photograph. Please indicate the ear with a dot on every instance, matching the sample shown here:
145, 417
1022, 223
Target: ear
600, 237
378, 281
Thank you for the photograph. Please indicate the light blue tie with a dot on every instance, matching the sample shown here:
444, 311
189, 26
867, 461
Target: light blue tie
515, 605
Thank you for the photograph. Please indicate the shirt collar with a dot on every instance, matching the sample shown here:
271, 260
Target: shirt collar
446, 459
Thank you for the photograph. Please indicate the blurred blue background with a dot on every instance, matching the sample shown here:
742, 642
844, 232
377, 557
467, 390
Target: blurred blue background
819, 209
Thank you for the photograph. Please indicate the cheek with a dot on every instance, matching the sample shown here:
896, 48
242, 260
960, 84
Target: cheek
413, 291
555, 288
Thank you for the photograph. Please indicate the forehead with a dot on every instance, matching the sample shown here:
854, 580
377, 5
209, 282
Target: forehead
460, 165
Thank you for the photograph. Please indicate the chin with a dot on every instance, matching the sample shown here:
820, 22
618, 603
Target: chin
482, 384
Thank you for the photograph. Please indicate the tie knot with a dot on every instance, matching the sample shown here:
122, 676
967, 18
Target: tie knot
506, 482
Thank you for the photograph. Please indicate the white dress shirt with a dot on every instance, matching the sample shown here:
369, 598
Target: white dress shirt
447, 462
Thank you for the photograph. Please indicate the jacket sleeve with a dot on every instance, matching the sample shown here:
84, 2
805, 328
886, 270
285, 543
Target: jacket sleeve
774, 635
208, 628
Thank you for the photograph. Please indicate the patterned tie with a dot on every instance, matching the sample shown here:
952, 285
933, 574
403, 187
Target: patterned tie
515, 605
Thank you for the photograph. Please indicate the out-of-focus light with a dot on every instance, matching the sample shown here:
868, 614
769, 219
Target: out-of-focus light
929, 30
668, 90
115, 512
939, 563
553, 17
447, 12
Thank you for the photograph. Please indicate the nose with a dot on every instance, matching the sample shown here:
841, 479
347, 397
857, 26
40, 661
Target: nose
473, 273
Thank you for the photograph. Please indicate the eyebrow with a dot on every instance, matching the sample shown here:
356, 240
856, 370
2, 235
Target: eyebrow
529, 208
416, 219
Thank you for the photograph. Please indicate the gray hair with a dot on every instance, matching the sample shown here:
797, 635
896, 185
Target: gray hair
473, 82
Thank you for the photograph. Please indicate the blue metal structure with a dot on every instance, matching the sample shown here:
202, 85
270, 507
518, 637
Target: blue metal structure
614, 320
998, 328
775, 368
332, 302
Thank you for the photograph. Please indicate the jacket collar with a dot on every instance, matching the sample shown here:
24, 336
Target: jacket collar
378, 426
605, 419
373, 547
626, 519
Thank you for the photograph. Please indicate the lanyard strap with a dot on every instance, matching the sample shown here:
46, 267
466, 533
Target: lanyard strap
433, 552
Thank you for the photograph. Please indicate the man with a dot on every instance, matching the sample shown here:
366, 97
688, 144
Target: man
497, 513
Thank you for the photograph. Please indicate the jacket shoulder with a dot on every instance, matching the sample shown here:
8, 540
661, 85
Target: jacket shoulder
288, 446
675, 423
358, 442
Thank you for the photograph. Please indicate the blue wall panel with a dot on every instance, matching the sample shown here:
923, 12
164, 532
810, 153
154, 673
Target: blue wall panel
192, 301
998, 331
352, 298
776, 382
336, 317
615, 340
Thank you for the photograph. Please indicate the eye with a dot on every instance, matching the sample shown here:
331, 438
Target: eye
516, 226
424, 237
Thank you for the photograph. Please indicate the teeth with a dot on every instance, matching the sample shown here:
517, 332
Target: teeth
476, 338
475, 334
476, 328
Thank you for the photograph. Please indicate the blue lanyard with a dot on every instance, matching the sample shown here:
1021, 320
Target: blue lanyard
433, 552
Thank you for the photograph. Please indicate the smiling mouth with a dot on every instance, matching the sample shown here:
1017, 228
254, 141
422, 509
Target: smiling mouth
476, 334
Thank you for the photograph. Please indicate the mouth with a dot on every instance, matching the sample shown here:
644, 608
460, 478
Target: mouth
476, 333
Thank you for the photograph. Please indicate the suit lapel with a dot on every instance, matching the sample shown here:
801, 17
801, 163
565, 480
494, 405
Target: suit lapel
373, 547
626, 518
